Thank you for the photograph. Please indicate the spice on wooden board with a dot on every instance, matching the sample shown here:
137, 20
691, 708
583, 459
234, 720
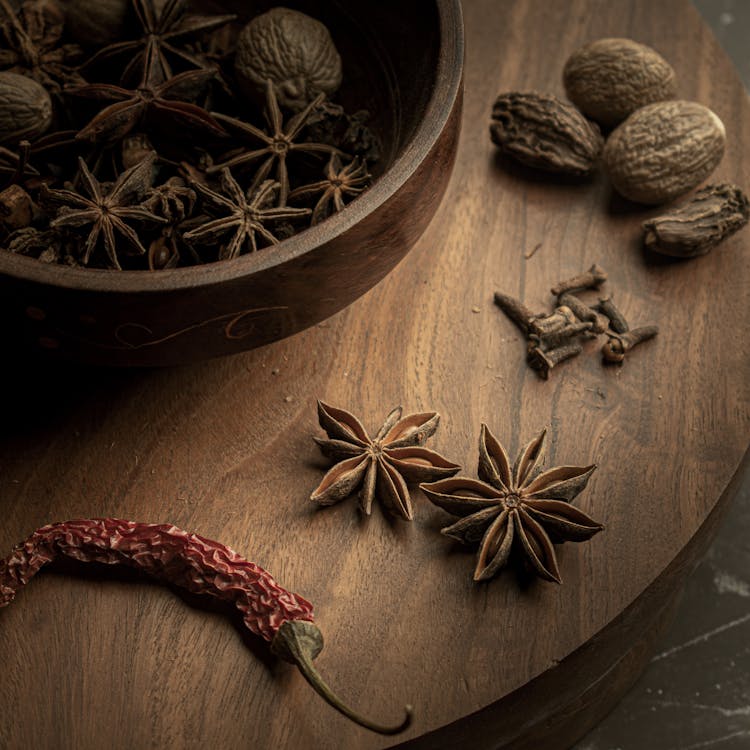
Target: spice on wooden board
543, 132
664, 150
380, 466
194, 564
610, 78
554, 338
515, 511
714, 213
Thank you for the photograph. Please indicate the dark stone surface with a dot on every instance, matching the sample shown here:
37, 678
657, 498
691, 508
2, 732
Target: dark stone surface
695, 694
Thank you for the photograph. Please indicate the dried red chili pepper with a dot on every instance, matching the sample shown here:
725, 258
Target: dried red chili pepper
193, 563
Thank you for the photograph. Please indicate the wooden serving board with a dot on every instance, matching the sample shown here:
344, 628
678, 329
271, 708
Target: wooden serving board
224, 449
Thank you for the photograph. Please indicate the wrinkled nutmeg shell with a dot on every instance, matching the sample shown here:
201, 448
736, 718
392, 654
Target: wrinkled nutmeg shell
291, 49
25, 108
664, 150
713, 214
543, 132
610, 78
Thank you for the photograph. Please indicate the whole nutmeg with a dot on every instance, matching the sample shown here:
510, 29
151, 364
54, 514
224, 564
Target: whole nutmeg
610, 78
295, 51
664, 150
543, 132
25, 108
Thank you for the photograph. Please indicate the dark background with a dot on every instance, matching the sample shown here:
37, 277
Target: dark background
695, 694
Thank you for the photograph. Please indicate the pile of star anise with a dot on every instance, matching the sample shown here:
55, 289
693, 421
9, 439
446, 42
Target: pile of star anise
144, 153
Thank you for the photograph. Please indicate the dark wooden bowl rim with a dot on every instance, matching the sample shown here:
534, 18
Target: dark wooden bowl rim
448, 75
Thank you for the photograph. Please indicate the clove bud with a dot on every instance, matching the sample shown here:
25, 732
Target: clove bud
618, 345
590, 279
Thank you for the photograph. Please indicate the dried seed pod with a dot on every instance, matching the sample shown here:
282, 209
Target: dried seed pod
543, 132
543, 361
714, 213
610, 78
618, 345
291, 49
664, 150
16, 208
25, 108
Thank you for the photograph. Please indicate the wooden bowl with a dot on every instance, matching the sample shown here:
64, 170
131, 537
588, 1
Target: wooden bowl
407, 59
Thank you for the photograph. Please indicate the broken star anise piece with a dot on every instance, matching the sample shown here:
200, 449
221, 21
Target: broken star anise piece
382, 465
165, 28
339, 183
107, 213
273, 147
243, 214
519, 510
30, 44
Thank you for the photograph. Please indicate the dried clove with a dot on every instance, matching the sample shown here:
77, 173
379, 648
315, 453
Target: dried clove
618, 344
590, 279
544, 361
558, 337
583, 312
617, 320
515, 310
561, 317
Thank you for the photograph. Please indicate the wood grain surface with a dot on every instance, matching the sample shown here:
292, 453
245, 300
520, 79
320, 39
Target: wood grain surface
224, 449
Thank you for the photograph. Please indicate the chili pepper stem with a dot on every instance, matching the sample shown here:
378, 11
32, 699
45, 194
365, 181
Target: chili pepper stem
299, 642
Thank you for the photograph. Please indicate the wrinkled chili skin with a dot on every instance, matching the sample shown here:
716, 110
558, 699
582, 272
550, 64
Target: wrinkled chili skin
166, 553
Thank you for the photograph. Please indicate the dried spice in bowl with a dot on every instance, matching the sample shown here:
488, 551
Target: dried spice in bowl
148, 152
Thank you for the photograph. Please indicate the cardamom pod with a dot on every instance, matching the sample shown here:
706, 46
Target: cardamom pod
543, 132
714, 213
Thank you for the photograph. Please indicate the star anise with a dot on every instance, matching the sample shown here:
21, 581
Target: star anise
279, 143
166, 105
173, 199
163, 32
242, 214
382, 465
339, 183
31, 44
519, 510
108, 213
